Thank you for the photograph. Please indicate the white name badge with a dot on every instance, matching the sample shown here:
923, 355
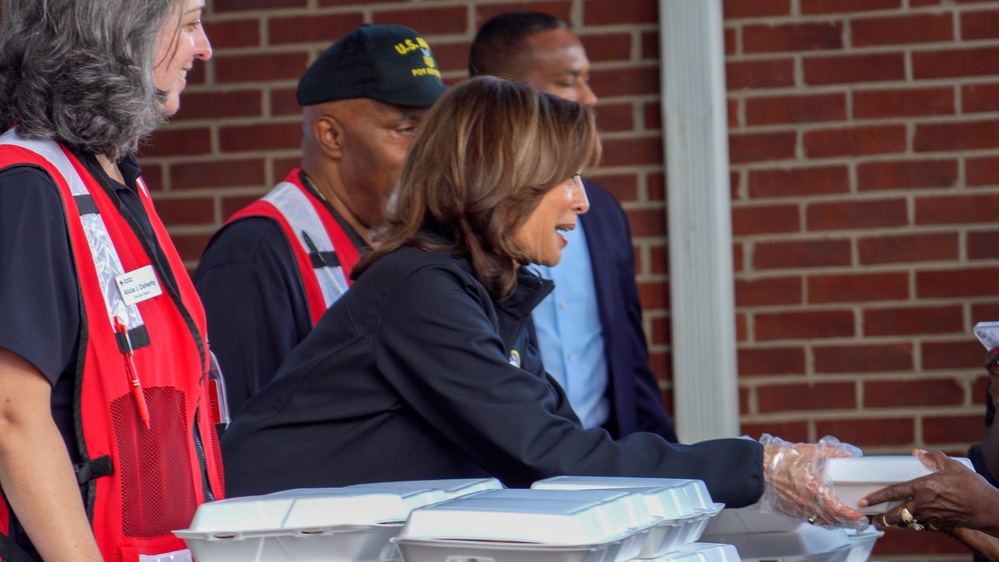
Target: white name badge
139, 285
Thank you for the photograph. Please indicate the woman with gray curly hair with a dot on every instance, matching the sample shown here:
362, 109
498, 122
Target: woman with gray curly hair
106, 435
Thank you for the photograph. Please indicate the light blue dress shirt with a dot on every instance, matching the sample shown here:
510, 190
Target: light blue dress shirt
570, 338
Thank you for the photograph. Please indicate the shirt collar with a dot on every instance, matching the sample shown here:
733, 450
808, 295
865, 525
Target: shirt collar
129, 167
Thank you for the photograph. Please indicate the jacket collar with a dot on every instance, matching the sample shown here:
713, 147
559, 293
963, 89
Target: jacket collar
529, 290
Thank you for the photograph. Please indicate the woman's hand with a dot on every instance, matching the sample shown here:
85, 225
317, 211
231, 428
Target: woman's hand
952, 497
794, 484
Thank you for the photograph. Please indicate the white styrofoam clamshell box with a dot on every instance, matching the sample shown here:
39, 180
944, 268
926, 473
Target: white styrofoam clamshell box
531, 516
807, 544
690, 493
478, 551
853, 478
634, 508
702, 552
673, 499
675, 529
695, 529
751, 519
452, 487
329, 524
508, 525
862, 543
684, 505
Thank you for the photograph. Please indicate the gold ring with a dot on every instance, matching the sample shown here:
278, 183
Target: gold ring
884, 520
907, 517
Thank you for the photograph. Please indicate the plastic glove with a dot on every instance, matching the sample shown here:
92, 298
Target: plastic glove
794, 485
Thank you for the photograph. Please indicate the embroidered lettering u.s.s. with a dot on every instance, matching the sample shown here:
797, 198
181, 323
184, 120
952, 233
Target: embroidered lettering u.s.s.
408, 45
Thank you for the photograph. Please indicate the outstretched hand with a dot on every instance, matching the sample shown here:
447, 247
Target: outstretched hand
795, 487
951, 497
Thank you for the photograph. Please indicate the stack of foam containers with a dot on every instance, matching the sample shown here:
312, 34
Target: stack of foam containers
772, 537
530, 526
684, 507
352, 524
563, 519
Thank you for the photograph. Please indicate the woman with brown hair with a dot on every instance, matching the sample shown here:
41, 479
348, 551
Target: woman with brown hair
424, 370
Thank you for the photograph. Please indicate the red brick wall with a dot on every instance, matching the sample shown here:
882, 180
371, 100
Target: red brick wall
865, 203
865, 187
864, 165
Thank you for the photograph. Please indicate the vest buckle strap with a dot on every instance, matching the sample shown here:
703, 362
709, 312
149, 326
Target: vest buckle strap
321, 259
86, 204
93, 469
135, 338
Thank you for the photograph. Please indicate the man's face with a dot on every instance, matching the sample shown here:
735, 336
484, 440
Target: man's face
557, 64
376, 139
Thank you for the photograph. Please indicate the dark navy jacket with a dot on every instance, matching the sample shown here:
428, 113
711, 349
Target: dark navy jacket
412, 375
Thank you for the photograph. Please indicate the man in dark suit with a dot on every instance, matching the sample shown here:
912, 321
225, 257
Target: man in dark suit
589, 330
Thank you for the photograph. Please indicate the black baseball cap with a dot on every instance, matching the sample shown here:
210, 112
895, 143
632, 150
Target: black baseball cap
387, 63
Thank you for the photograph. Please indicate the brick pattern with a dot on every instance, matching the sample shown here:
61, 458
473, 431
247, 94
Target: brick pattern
866, 224
864, 153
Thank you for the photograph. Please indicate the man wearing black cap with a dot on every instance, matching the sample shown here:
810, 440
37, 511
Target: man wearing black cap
278, 264
589, 330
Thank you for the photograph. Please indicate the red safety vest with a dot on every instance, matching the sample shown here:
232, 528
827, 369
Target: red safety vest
142, 483
323, 251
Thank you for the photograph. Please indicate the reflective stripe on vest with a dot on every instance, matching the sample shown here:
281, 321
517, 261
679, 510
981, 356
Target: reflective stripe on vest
158, 474
323, 251
101, 249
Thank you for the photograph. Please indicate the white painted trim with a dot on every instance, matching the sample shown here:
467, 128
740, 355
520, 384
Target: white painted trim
702, 301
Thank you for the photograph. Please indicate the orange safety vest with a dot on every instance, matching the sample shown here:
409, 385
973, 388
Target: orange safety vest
323, 252
141, 483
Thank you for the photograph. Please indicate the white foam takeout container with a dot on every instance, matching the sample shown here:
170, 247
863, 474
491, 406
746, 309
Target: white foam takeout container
862, 543
762, 536
529, 525
330, 524
685, 506
809, 543
853, 478
751, 519
452, 487
701, 552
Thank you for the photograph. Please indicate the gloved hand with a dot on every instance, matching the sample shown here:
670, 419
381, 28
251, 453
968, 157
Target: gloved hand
794, 485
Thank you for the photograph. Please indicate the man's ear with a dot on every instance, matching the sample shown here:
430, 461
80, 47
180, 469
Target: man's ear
328, 134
